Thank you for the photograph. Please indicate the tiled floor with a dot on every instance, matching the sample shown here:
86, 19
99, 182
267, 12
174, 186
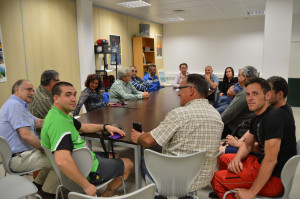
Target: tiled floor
130, 184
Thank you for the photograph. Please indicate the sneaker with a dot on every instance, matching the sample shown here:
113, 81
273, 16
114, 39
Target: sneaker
46, 195
213, 195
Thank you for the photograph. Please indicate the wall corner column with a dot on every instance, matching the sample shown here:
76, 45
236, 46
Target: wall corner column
84, 9
277, 38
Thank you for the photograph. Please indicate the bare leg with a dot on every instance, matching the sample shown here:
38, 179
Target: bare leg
117, 182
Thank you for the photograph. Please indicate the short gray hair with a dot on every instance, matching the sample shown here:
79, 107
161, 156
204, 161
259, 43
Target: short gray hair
47, 76
249, 71
18, 84
132, 67
123, 72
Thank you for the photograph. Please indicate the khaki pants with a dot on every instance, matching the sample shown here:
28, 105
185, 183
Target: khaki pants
33, 159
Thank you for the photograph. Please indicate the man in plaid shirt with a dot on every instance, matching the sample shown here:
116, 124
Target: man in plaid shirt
194, 126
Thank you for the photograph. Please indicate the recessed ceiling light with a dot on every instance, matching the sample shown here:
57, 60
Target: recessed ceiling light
134, 4
173, 19
255, 13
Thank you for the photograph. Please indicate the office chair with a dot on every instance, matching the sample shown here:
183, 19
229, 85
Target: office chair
14, 187
174, 175
84, 161
6, 154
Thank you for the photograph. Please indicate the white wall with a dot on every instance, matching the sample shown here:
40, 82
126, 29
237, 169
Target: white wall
223, 43
277, 38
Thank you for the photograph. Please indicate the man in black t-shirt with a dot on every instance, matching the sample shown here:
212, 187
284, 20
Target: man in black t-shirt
274, 131
279, 92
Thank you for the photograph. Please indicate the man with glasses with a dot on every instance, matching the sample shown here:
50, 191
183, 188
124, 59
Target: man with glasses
18, 127
137, 82
43, 100
194, 126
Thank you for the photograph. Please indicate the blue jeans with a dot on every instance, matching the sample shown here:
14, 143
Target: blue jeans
222, 108
220, 100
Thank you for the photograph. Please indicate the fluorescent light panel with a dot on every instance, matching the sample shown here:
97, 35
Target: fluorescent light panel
134, 4
255, 13
173, 19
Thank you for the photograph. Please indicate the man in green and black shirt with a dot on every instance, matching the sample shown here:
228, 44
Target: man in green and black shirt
60, 135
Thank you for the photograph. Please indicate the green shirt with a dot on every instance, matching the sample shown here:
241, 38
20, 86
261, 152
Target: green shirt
120, 91
56, 126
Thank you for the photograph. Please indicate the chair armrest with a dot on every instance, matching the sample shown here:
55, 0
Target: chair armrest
228, 192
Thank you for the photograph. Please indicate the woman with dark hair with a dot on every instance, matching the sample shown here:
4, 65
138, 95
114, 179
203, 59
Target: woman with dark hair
228, 80
91, 96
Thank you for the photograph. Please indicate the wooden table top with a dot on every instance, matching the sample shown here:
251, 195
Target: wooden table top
149, 112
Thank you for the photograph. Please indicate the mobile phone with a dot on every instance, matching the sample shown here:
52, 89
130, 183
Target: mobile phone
137, 126
115, 136
116, 104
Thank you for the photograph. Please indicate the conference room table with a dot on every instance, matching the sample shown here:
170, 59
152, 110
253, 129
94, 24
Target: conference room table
149, 112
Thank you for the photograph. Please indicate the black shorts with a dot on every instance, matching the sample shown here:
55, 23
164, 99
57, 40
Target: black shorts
109, 168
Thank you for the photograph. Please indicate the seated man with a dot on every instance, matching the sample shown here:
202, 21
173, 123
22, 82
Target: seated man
43, 100
122, 89
18, 126
213, 82
152, 79
279, 92
238, 112
180, 76
61, 137
274, 130
186, 129
137, 82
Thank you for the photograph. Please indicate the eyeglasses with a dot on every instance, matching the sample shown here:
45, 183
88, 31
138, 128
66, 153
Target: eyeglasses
181, 87
134, 71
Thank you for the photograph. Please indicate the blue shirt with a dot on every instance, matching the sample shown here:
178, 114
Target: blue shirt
155, 85
236, 88
214, 79
14, 114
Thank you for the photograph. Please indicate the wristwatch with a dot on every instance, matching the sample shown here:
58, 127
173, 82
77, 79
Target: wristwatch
104, 127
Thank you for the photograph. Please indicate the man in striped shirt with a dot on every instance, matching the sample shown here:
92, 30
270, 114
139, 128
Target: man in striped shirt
43, 100
137, 82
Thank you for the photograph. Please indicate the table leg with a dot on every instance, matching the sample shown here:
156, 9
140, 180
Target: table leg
137, 162
137, 166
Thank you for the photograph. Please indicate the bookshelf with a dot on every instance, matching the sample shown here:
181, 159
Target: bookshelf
143, 54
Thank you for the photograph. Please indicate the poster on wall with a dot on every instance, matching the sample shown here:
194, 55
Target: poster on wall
2, 61
115, 42
159, 46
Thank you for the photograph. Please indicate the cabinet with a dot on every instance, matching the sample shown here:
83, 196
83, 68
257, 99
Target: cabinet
143, 54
